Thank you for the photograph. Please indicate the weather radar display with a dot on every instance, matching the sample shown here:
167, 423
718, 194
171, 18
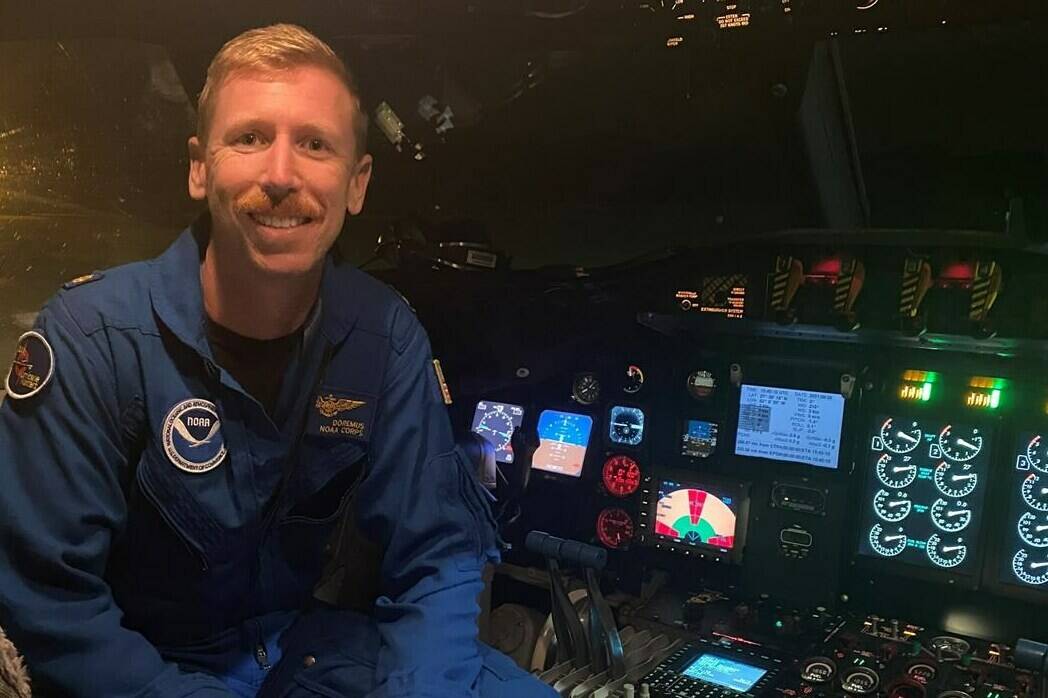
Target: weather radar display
563, 439
694, 516
496, 422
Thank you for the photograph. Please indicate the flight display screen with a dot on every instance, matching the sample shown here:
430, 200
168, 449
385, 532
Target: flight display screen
699, 439
693, 514
563, 440
724, 672
926, 480
496, 422
1024, 559
782, 424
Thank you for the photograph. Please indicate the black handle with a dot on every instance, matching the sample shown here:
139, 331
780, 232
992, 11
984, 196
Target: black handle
568, 552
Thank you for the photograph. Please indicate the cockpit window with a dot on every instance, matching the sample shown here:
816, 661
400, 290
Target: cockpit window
92, 164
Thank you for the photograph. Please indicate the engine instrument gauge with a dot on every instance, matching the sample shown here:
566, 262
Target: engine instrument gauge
902, 438
892, 507
887, 542
585, 389
701, 385
955, 480
894, 473
1035, 492
922, 673
614, 528
1035, 451
634, 380
626, 425
951, 516
960, 444
859, 681
1033, 529
949, 646
621, 476
1031, 568
946, 552
818, 670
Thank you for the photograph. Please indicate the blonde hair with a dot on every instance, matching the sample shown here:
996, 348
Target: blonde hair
272, 49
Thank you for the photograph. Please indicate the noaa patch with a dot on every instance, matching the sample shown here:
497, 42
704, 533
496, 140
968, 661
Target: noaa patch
33, 367
192, 436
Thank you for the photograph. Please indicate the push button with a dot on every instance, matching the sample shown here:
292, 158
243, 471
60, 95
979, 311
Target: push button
308, 661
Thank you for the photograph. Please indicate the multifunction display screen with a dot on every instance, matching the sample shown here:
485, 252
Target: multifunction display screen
926, 480
694, 514
798, 426
1024, 559
563, 440
724, 672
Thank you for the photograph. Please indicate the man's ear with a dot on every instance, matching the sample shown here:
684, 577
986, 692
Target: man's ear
358, 185
197, 170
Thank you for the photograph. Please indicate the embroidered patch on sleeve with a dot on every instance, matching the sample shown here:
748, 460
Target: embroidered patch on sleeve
33, 367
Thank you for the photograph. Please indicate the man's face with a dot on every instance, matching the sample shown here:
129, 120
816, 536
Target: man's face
280, 168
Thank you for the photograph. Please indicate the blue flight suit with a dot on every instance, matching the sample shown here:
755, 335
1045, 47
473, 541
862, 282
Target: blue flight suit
157, 522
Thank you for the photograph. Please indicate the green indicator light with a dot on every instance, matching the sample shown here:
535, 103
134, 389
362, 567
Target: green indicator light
778, 624
995, 399
926, 392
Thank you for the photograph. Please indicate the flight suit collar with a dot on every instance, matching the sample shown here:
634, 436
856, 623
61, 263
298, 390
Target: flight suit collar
178, 299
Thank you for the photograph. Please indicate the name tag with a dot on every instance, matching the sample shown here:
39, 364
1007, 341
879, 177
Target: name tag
341, 415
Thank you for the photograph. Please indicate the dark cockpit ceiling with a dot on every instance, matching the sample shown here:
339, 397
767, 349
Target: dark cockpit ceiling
640, 218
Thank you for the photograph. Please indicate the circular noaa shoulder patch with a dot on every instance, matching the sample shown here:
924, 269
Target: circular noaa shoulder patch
192, 436
32, 368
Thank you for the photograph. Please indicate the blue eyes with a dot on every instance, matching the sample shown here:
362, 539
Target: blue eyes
313, 145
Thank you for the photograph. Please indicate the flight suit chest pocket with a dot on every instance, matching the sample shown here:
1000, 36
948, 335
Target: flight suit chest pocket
326, 475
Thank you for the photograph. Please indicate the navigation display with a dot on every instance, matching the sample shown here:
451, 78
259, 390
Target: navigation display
799, 426
724, 672
693, 515
496, 422
699, 439
563, 439
926, 480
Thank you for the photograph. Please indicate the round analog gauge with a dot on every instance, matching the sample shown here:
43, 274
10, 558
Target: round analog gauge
951, 516
946, 552
892, 507
902, 437
922, 673
621, 475
585, 389
1033, 529
497, 427
1035, 451
1031, 568
955, 480
614, 528
1035, 492
895, 474
818, 670
634, 379
888, 542
950, 646
701, 385
626, 425
960, 444
859, 681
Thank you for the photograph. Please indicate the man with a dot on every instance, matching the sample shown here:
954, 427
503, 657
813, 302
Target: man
181, 436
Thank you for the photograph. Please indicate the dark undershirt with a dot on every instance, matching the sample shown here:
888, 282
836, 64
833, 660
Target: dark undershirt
258, 365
